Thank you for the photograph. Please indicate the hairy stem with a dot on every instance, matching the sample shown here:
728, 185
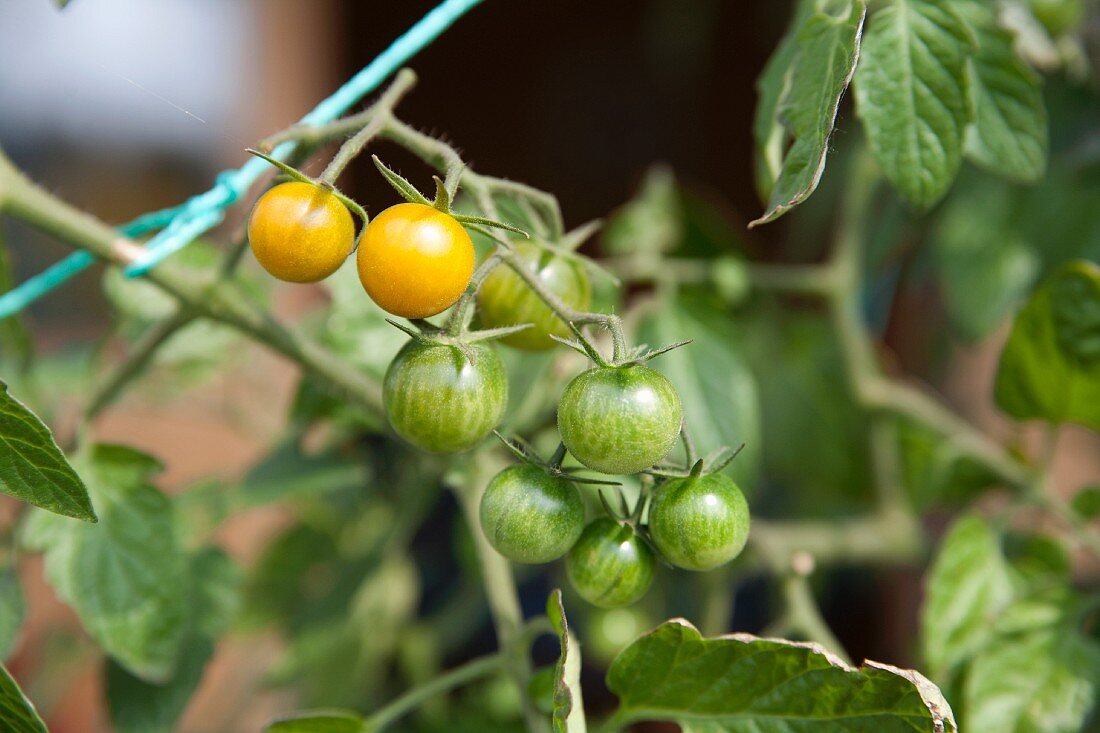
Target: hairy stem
610, 321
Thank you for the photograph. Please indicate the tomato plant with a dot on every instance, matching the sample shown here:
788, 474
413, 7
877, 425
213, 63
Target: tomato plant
500, 432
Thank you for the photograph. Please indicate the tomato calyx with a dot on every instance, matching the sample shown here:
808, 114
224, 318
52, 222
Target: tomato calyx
525, 452
444, 195
297, 175
636, 356
713, 462
426, 332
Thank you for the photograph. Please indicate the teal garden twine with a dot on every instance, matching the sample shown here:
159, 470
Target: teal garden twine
181, 225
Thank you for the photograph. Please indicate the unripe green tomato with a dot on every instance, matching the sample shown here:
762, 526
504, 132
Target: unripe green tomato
619, 420
504, 299
439, 400
530, 516
610, 565
699, 522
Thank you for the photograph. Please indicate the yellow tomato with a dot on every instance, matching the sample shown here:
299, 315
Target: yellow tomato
415, 261
300, 233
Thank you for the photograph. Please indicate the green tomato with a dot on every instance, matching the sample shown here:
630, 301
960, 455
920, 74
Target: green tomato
610, 565
619, 420
439, 400
504, 299
530, 516
700, 522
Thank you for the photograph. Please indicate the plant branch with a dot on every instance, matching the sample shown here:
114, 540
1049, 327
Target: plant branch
137, 361
803, 617
313, 135
468, 672
610, 321
881, 537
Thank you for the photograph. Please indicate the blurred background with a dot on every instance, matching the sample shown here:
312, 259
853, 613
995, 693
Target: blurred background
125, 106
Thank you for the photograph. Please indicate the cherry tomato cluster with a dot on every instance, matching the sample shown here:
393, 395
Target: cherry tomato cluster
445, 391
414, 260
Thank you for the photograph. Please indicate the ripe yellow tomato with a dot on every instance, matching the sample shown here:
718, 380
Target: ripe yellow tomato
414, 260
300, 233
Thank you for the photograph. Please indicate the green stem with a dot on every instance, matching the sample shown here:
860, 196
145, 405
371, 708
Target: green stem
803, 616
136, 363
353, 147
461, 314
500, 590
719, 595
878, 538
313, 135
901, 399
610, 321
794, 279
443, 158
468, 672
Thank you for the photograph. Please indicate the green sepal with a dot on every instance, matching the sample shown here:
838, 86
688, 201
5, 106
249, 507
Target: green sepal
403, 187
523, 450
297, 175
442, 196
482, 221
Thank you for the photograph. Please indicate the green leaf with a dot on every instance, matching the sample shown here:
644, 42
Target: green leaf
286, 473
126, 577
985, 265
649, 223
768, 129
138, 706
17, 713
741, 682
13, 610
968, 586
33, 468
827, 47
911, 95
1009, 131
1010, 628
935, 472
802, 380
319, 721
568, 705
1044, 681
721, 404
1050, 366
